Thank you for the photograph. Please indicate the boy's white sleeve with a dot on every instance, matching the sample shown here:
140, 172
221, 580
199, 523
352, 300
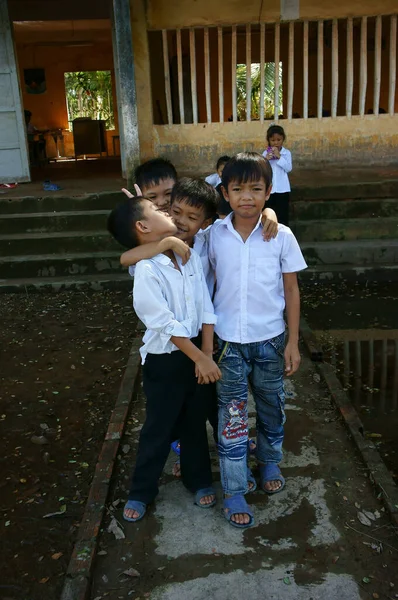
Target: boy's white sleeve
285, 161
212, 258
132, 270
292, 259
151, 305
209, 318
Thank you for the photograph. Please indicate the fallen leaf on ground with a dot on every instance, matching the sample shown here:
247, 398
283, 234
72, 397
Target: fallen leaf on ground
61, 511
286, 580
365, 579
369, 514
116, 530
363, 519
131, 572
44, 580
56, 555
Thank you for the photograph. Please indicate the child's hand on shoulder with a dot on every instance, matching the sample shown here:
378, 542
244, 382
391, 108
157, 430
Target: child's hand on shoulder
269, 221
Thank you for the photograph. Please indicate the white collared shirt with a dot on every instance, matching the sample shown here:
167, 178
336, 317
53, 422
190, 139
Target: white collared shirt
249, 299
280, 169
170, 302
214, 179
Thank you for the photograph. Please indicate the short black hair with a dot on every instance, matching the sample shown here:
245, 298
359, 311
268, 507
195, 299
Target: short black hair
247, 166
122, 220
153, 171
198, 193
275, 130
222, 161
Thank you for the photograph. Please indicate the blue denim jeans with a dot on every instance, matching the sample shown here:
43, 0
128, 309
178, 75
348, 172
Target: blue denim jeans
261, 364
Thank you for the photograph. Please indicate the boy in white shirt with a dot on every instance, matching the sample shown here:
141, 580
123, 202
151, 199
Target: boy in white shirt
255, 281
215, 178
173, 302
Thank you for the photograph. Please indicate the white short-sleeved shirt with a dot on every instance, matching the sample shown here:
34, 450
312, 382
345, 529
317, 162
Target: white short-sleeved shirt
249, 299
280, 169
214, 179
170, 302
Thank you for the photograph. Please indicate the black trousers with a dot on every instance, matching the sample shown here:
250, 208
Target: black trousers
175, 402
280, 204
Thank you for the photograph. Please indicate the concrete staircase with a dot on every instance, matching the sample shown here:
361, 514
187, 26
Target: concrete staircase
59, 243
348, 232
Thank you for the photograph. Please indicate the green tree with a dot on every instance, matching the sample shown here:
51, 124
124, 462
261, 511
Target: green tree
89, 94
269, 90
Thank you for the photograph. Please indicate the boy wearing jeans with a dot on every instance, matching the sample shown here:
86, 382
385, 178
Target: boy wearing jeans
173, 302
255, 282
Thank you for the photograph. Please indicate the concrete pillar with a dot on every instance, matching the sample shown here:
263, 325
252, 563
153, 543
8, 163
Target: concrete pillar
125, 87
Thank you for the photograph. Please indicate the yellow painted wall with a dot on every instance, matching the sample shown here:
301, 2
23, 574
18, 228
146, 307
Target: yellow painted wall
335, 142
49, 109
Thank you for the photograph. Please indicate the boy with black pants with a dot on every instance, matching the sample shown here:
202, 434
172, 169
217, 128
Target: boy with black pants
173, 301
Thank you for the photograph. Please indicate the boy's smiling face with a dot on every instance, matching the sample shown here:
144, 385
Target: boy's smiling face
160, 194
247, 199
188, 220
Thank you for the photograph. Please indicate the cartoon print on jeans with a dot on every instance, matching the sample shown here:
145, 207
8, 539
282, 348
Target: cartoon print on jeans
236, 426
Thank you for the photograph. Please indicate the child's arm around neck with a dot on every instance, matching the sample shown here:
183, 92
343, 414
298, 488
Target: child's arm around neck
145, 251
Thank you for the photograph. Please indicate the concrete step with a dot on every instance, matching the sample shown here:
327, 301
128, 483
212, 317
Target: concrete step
344, 209
346, 229
353, 273
83, 220
57, 243
94, 282
62, 265
360, 252
387, 188
43, 204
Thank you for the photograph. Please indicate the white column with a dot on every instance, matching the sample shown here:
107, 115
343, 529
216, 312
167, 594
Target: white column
180, 78
393, 64
207, 74
248, 72
233, 66
377, 68
220, 74
277, 59
349, 70
363, 66
290, 87
192, 55
335, 66
167, 87
320, 69
305, 70
262, 65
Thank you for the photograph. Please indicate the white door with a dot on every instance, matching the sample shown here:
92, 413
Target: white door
14, 156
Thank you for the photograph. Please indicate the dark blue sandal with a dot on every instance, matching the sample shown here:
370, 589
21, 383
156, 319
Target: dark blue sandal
175, 446
136, 505
201, 494
250, 479
271, 472
237, 505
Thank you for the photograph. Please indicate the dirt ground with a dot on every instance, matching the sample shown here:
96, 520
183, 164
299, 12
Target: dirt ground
62, 357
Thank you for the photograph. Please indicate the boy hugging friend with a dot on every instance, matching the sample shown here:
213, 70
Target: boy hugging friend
181, 261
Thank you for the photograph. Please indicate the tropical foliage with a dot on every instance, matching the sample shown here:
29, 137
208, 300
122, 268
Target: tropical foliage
89, 94
269, 90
